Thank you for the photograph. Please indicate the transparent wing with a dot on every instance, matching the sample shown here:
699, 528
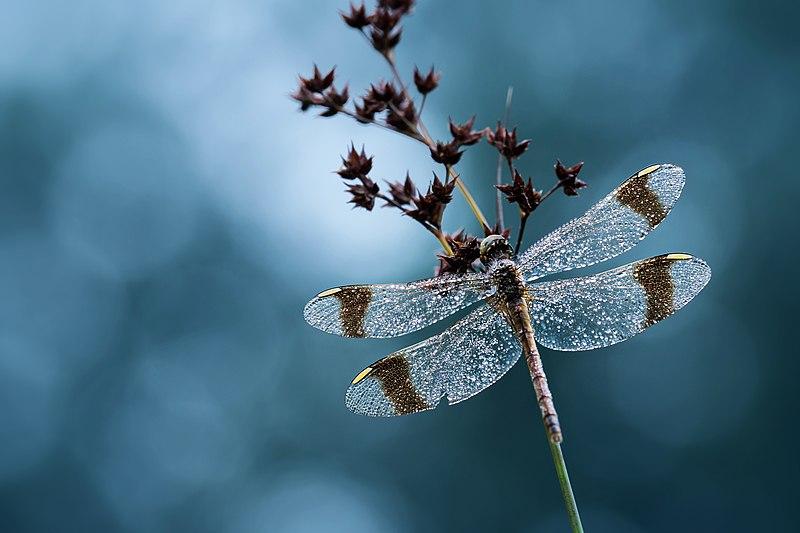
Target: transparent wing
392, 310
612, 226
601, 310
459, 363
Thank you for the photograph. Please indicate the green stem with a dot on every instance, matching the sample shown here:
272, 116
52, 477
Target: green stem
470, 200
566, 488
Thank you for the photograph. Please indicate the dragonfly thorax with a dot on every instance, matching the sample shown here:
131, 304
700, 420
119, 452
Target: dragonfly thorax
507, 279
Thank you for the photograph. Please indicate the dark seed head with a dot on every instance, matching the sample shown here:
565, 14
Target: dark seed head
427, 83
357, 17
568, 177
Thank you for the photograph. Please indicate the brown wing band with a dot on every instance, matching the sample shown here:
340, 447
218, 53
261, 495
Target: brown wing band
393, 373
656, 279
354, 302
635, 194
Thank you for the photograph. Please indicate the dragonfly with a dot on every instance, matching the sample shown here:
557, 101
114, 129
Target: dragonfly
513, 309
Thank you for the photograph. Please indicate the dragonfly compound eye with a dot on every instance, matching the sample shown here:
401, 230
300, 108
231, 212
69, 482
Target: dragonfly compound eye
495, 247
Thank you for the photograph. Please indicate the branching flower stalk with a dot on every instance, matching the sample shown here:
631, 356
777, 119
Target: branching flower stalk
389, 105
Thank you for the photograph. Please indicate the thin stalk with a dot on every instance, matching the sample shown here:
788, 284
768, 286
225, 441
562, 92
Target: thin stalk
431, 228
389, 57
566, 487
470, 201
522, 220
427, 142
498, 200
426, 139
523, 216
362, 120
435, 231
510, 167
551, 191
393, 67
423, 128
421, 135
410, 124
445, 245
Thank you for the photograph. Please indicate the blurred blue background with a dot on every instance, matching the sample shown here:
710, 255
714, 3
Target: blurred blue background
165, 213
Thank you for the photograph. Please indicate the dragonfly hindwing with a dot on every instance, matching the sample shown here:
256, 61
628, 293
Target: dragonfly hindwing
458, 363
607, 308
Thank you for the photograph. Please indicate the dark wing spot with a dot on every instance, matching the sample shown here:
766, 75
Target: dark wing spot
656, 279
354, 302
635, 194
393, 373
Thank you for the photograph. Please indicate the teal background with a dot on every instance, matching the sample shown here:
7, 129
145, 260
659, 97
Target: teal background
165, 213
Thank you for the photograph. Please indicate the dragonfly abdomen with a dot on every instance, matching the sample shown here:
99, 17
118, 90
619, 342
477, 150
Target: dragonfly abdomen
511, 290
543, 394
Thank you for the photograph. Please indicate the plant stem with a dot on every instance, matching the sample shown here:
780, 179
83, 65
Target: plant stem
445, 245
427, 142
551, 191
470, 200
362, 120
498, 200
566, 487
409, 124
433, 229
510, 168
522, 220
419, 133
393, 67
422, 127
425, 138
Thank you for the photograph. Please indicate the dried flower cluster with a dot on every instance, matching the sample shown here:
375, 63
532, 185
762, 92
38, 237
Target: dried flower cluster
521, 193
390, 105
568, 178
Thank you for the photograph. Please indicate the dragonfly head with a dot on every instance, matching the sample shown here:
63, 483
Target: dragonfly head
495, 247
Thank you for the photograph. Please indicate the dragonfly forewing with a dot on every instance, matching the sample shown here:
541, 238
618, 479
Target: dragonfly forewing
392, 310
612, 226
